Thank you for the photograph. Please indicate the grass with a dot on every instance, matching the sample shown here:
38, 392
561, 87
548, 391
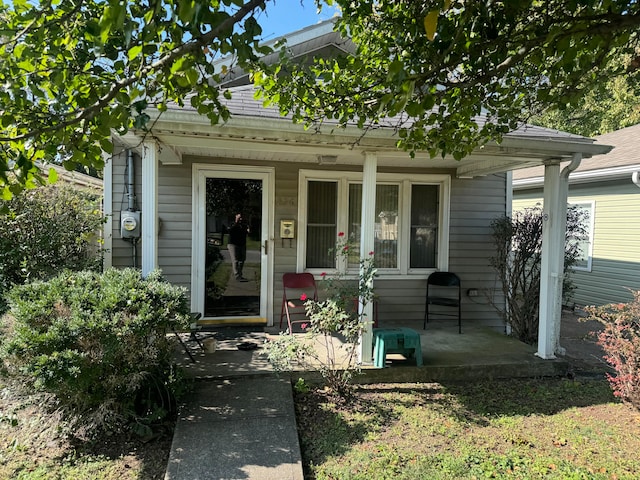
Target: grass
551, 428
35, 445
516, 429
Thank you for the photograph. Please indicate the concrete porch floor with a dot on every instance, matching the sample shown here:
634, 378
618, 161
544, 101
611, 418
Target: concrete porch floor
479, 352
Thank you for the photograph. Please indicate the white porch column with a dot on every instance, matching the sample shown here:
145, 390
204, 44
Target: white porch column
149, 206
561, 239
107, 209
554, 226
550, 280
367, 243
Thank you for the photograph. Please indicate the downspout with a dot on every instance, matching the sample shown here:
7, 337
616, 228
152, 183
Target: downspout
635, 178
131, 182
131, 204
562, 215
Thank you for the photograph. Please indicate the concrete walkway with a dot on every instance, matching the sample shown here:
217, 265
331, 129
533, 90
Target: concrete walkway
237, 428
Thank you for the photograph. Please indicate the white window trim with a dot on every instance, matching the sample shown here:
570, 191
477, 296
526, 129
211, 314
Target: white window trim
592, 218
404, 194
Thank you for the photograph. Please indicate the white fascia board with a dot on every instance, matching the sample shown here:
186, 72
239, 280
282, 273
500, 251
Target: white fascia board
277, 130
553, 145
601, 175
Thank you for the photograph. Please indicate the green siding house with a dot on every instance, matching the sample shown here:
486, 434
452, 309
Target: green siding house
608, 187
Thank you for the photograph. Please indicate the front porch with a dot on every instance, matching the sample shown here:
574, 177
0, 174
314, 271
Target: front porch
479, 352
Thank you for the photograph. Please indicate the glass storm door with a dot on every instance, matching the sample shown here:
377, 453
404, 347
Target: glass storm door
232, 250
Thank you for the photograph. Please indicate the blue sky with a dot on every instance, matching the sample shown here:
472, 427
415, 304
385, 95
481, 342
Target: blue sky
286, 16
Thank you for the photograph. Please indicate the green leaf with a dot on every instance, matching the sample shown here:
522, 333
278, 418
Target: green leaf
6, 193
106, 145
134, 52
53, 175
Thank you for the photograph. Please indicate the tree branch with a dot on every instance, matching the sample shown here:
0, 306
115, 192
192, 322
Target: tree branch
166, 60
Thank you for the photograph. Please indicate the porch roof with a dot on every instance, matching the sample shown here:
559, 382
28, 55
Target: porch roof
257, 132
621, 162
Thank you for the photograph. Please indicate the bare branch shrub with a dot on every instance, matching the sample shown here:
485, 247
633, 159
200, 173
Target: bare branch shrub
518, 243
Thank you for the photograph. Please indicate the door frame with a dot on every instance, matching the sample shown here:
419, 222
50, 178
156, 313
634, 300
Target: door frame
200, 173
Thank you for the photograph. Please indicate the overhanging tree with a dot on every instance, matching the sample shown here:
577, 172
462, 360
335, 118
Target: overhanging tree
438, 65
74, 70
605, 107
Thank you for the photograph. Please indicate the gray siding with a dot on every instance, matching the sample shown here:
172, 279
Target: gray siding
174, 211
474, 203
616, 247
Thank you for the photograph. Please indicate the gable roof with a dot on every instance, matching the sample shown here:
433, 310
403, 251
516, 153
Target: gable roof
315, 40
623, 160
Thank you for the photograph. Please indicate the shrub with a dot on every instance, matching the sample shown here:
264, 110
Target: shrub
518, 258
97, 342
45, 230
620, 341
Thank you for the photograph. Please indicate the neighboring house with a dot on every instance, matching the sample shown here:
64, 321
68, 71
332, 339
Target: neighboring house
607, 187
174, 191
77, 179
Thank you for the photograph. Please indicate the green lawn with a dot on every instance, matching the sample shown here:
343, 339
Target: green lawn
516, 429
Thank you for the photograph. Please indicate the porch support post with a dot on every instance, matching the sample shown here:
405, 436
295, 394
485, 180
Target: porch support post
149, 212
549, 272
562, 238
367, 243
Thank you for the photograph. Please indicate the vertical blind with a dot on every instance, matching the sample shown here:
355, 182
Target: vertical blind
322, 225
424, 226
322, 211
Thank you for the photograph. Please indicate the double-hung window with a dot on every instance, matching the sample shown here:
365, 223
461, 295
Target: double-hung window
410, 222
586, 211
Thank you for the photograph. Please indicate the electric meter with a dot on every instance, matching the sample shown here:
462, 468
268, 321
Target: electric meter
130, 224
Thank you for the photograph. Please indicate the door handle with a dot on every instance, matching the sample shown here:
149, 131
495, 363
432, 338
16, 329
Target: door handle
266, 246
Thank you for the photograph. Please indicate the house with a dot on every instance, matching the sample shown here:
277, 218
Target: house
608, 188
78, 180
172, 193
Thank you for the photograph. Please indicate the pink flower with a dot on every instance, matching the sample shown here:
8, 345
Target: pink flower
345, 248
303, 297
341, 234
304, 326
371, 253
323, 274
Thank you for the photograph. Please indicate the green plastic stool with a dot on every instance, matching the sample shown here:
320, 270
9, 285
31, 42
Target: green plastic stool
404, 341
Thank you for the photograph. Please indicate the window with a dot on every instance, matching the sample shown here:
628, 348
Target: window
585, 210
410, 224
322, 223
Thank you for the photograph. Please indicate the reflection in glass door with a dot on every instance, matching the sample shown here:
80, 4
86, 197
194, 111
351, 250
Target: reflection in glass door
233, 273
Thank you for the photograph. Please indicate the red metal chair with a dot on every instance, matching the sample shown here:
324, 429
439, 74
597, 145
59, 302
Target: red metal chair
294, 285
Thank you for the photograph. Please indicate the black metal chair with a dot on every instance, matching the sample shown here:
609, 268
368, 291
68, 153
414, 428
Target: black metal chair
444, 290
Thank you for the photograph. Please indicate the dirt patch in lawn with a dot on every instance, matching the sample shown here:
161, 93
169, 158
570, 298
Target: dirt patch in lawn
34, 444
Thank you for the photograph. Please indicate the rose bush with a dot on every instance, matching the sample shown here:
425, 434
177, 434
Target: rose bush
335, 326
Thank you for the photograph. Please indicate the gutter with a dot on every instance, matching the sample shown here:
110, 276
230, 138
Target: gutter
604, 174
